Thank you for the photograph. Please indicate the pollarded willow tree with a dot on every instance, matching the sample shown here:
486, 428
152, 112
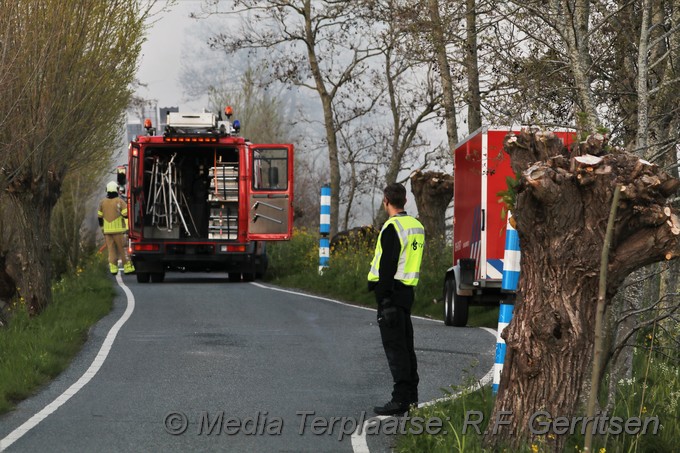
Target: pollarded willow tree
64, 85
561, 217
588, 70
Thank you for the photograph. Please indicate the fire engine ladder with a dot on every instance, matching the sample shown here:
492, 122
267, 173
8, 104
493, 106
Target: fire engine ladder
163, 203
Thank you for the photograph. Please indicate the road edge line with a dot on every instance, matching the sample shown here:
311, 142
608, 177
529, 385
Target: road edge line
93, 369
335, 301
358, 438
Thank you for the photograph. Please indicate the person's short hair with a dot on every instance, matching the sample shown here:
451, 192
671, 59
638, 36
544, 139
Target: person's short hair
395, 194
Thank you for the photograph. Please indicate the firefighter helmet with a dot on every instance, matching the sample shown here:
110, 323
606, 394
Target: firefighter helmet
112, 186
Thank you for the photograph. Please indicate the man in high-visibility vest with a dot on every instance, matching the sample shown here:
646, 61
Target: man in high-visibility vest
394, 273
112, 214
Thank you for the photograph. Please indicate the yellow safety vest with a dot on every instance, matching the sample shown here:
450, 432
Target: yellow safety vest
113, 211
412, 238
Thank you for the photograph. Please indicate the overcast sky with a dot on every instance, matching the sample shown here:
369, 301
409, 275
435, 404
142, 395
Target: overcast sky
161, 56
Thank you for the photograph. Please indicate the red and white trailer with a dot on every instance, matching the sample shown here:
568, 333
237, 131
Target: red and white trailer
481, 169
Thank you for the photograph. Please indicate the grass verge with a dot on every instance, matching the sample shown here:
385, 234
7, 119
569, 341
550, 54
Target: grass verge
35, 350
653, 391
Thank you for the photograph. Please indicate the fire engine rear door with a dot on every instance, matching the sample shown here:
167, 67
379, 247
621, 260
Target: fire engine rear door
270, 200
135, 194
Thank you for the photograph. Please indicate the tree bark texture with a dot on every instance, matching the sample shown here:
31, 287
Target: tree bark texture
561, 217
433, 192
32, 200
8, 287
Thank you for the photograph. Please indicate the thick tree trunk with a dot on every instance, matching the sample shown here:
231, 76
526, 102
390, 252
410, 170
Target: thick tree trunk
433, 193
8, 287
561, 223
32, 200
552, 330
33, 254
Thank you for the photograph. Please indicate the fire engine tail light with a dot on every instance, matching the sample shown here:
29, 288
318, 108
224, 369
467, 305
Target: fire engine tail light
233, 248
146, 247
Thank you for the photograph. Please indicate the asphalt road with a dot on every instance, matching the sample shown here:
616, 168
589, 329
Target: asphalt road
234, 367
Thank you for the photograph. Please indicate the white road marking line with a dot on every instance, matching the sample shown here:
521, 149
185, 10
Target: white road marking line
259, 285
359, 443
84, 379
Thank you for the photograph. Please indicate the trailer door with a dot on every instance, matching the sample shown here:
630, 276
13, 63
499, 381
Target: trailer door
270, 200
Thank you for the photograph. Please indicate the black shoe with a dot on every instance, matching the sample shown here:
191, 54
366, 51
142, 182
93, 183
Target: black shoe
391, 408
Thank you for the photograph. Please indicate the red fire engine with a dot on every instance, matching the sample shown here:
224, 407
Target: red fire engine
480, 171
200, 197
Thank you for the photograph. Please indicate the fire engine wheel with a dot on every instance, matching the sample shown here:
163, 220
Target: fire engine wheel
157, 277
455, 306
142, 277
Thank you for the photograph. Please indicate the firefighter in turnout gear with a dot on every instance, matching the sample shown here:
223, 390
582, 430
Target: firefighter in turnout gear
394, 273
112, 219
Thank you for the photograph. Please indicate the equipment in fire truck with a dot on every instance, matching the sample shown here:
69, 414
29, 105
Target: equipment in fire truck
166, 203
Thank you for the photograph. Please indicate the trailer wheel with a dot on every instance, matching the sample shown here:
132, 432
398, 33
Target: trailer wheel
142, 277
455, 306
157, 277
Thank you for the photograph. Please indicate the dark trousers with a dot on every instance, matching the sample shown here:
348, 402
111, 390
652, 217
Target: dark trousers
397, 341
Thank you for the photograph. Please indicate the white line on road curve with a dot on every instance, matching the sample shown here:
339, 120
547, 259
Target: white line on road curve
359, 443
84, 379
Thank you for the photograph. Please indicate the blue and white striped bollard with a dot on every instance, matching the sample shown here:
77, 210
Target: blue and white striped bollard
511, 265
324, 228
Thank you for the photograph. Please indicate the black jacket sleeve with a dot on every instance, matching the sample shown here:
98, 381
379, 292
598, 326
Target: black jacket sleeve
389, 260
